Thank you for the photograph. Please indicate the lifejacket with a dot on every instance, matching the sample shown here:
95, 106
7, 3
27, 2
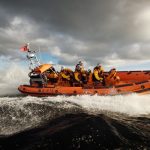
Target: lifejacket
98, 73
66, 73
77, 76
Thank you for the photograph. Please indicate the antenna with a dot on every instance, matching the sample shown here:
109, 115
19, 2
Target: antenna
40, 57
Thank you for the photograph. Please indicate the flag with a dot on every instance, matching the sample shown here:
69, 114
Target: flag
24, 48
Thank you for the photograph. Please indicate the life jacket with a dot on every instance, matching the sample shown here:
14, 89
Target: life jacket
98, 73
66, 73
101, 70
77, 76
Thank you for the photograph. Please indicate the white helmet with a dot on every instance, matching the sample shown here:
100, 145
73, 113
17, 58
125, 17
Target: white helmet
99, 65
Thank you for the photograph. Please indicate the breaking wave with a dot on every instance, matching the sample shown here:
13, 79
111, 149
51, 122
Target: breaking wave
19, 113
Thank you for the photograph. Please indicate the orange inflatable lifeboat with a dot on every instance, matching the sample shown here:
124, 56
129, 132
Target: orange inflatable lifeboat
45, 81
42, 85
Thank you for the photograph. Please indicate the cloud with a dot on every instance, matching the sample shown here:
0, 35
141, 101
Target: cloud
92, 30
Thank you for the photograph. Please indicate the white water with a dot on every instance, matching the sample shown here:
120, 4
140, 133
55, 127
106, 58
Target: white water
19, 113
10, 78
132, 105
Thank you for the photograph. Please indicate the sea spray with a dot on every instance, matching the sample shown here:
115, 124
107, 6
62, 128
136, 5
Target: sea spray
11, 77
20, 113
132, 104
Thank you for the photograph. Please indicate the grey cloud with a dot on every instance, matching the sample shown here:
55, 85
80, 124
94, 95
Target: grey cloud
101, 20
94, 30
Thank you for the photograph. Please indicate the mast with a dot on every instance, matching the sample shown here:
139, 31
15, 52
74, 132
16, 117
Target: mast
32, 58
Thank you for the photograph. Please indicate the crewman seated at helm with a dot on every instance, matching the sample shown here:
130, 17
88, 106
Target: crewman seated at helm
52, 74
112, 78
98, 73
80, 73
66, 73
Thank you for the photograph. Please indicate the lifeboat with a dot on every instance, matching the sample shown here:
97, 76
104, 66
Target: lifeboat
45, 81
130, 82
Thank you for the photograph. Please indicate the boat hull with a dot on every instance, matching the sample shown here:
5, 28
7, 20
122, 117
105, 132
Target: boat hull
140, 88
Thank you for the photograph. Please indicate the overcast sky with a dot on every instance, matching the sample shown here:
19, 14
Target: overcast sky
112, 32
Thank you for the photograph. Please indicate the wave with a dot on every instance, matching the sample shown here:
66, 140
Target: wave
20, 113
83, 131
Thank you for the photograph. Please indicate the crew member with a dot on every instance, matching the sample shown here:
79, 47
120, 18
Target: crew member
98, 73
66, 73
52, 74
112, 73
112, 77
80, 73
79, 67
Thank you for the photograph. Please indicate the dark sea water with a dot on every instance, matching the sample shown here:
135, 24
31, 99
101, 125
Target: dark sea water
75, 122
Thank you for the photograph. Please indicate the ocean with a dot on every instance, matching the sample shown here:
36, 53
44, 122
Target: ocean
75, 122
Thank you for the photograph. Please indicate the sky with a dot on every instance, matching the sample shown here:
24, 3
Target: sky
110, 32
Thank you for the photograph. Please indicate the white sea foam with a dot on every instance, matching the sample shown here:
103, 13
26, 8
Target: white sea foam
10, 78
19, 113
132, 105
